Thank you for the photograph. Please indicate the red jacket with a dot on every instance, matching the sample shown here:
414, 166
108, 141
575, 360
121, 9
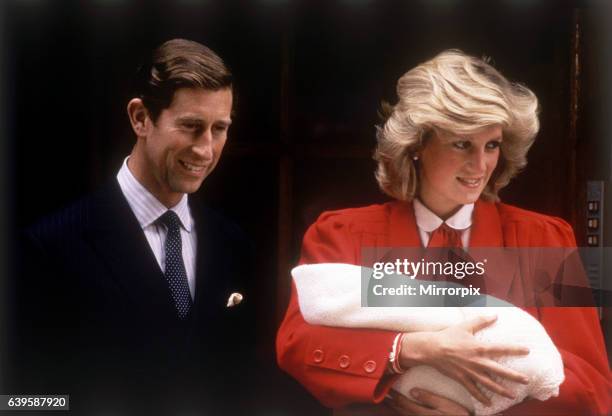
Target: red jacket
317, 356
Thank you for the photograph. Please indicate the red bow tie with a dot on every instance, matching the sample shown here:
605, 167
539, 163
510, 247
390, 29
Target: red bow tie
445, 236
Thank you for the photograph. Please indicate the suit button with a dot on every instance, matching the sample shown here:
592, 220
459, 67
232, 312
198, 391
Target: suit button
369, 366
317, 356
344, 361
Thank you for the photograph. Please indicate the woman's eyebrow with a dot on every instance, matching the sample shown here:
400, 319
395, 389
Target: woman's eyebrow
470, 137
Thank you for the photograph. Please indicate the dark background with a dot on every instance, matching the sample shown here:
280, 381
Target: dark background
310, 79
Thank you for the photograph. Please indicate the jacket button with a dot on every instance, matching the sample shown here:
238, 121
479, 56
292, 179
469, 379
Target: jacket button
344, 361
369, 366
317, 356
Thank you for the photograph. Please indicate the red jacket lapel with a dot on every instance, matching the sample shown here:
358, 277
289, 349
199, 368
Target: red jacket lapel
488, 234
486, 226
403, 230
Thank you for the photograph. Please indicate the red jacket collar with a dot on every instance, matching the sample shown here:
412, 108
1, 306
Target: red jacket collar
486, 226
486, 232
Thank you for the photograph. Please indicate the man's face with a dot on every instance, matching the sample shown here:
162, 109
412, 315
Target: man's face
183, 146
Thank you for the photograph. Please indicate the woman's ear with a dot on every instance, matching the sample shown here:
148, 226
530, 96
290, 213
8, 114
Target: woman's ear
139, 117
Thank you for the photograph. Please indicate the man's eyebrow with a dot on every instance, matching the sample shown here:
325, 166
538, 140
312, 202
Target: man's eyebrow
190, 119
200, 120
225, 122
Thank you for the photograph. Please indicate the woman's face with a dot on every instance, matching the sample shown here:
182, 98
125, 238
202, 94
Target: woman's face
455, 169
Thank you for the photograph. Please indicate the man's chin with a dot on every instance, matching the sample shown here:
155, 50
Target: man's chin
188, 187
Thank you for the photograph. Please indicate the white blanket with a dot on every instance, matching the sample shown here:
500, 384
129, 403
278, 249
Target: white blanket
330, 294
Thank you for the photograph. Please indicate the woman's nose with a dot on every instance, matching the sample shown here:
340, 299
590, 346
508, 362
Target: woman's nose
478, 160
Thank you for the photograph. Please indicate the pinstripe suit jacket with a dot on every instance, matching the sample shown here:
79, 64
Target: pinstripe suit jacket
93, 313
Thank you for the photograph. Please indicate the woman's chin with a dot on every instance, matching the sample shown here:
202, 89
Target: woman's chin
470, 198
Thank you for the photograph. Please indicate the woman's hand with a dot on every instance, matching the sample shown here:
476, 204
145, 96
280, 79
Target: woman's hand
456, 353
426, 404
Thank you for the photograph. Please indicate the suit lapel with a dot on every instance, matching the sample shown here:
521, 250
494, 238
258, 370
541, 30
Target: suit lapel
118, 239
211, 281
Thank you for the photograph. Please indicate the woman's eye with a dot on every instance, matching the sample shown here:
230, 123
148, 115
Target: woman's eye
462, 144
493, 145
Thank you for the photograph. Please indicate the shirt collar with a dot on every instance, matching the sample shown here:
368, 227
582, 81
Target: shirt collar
428, 221
143, 203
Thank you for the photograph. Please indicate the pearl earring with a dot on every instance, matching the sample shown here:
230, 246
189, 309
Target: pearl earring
415, 157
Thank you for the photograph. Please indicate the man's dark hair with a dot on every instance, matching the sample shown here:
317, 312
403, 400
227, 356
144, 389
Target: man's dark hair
178, 63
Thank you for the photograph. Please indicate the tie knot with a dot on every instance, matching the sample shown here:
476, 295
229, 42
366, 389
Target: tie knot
445, 228
445, 236
170, 220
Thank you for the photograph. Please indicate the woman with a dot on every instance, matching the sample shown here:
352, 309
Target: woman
458, 134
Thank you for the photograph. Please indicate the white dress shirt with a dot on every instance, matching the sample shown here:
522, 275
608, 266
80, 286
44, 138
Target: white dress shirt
427, 222
147, 210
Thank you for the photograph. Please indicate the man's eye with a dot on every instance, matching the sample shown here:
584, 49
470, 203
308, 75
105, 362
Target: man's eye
462, 144
220, 129
191, 126
493, 144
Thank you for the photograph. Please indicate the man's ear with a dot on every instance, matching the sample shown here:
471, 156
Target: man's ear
139, 117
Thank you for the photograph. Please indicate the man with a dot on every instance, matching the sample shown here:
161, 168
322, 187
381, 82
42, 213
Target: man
132, 298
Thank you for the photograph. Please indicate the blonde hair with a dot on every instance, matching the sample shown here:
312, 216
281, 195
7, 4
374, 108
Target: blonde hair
461, 94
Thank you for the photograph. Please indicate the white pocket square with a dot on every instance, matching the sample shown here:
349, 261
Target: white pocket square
234, 299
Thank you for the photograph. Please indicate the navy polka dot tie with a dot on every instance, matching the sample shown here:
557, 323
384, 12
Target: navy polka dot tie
175, 268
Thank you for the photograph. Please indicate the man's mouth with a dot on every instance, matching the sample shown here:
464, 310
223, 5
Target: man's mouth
191, 167
470, 182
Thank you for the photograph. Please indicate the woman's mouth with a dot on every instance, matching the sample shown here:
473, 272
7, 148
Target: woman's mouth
470, 182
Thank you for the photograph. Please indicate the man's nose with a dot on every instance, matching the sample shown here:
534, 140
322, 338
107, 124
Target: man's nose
203, 146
